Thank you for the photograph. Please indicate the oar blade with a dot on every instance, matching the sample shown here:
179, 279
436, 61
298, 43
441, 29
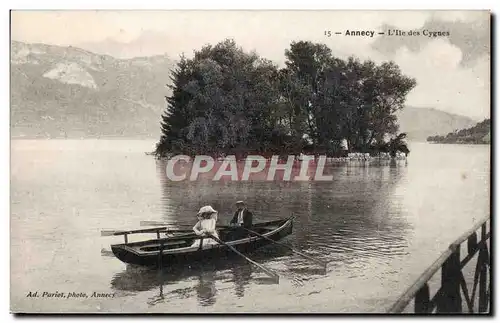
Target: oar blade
108, 233
107, 253
187, 227
320, 262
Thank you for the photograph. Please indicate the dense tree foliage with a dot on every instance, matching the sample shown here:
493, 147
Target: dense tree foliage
228, 101
479, 134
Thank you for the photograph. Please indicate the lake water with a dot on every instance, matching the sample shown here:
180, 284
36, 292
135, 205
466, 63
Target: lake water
378, 227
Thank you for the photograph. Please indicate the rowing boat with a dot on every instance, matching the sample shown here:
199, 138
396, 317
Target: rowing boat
175, 250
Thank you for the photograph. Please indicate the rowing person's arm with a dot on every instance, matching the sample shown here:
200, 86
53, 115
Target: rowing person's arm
210, 226
197, 228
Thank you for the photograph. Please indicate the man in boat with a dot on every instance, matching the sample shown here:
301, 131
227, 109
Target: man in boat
242, 219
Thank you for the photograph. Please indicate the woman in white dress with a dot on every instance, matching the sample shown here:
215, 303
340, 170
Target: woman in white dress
207, 220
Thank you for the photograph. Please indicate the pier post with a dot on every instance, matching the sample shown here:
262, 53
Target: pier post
472, 243
422, 300
483, 265
448, 298
451, 300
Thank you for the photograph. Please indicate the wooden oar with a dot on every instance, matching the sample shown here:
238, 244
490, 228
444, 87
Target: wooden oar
107, 253
322, 263
156, 223
159, 223
264, 269
106, 233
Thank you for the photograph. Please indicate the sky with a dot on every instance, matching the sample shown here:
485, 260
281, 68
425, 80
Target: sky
452, 71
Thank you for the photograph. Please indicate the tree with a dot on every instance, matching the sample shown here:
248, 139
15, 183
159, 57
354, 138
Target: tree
176, 117
391, 89
478, 134
223, 97
303, 81
330, 99
227, 101
372, 96
398, 144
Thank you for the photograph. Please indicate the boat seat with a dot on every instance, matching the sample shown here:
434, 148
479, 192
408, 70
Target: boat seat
166, 244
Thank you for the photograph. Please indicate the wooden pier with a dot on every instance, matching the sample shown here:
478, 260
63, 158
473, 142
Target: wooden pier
457, 291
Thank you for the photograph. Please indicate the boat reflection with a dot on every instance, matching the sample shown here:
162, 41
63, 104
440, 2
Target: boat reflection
354, 221
237, 272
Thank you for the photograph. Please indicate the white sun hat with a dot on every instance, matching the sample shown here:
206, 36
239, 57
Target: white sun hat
207, 209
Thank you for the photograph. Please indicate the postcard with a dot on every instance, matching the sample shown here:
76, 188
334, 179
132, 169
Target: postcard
182, 162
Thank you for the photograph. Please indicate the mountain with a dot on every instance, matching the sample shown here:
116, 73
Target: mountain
420, 123
68, 92
148, 43
479, 134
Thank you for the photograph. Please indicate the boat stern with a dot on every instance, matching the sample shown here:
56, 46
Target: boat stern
126, 255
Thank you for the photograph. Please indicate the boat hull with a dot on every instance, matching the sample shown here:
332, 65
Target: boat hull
172, 258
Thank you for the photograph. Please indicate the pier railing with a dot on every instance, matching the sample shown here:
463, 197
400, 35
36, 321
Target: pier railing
453, 295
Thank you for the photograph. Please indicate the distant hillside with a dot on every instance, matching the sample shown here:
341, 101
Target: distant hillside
148, 43
67, 92
479, 134
420, 123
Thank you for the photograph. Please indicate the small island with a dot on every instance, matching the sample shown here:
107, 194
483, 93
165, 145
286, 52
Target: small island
226, 101
478, 134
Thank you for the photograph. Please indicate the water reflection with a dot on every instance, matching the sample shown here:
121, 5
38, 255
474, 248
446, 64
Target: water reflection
205, 290
358, 205
361, 222
235, 271
134, 279
241, 277
352, 221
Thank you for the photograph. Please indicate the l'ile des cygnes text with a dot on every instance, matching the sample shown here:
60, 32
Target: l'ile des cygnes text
63, 295
389, 32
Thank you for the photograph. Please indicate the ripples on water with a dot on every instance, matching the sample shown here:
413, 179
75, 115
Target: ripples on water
342, 222
351, 216
374, 224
